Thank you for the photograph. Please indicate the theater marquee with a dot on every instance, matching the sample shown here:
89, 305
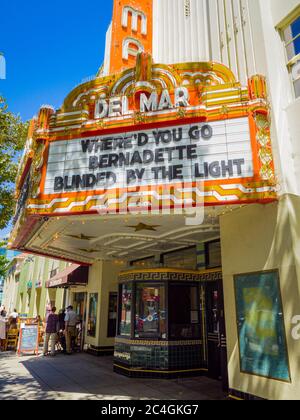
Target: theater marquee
153, 137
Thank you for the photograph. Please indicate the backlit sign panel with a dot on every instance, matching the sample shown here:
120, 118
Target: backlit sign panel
187, 153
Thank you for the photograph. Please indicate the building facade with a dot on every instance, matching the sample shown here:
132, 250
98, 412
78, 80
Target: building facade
174, 177
1, 291
25, 286
8, 255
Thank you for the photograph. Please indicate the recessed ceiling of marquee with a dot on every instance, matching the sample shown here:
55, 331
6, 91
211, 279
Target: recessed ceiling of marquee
89, 238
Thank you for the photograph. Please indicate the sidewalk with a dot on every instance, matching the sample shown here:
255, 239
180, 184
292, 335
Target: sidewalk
82, 377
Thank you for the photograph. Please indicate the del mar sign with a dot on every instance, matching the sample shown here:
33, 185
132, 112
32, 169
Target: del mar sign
192, 152
119, 106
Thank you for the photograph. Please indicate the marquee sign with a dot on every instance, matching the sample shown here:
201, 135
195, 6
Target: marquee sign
152, 137
185, 153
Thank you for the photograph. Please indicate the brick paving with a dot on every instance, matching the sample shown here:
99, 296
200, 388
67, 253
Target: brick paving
85, 377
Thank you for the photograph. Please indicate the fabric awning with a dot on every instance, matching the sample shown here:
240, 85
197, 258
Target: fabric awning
71, 276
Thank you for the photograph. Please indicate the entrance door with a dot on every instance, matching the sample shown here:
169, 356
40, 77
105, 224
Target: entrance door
216, 332
79, 303
112, 315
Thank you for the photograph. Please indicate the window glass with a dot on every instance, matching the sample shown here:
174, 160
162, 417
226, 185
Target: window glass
185, 259
145, 263
295, 70
126, 304
92, 319
291, 37
150, 321
184, 312
79, 302
213, 255
296, 35
297, 87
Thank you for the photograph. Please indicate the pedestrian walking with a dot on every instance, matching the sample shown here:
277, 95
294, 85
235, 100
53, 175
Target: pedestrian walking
70, 328
51, 332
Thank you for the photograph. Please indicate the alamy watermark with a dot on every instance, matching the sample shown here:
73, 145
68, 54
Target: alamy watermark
2, 67
296, 329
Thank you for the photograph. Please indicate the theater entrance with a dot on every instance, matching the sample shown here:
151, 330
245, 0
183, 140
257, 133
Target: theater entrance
171, 324
215, 329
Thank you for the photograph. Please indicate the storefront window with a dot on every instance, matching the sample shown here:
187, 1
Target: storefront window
126, 306
92, 320
150, 321
79, 303
184, 259
184, 312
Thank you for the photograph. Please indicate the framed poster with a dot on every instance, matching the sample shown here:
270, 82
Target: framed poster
261, 331
92, 318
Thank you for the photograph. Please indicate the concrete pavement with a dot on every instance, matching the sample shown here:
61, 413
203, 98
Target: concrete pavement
85, 377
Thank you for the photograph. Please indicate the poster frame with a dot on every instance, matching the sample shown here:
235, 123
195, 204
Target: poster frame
276, 278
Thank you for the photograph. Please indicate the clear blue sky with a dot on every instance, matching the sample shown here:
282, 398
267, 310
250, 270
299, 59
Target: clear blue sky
50, 46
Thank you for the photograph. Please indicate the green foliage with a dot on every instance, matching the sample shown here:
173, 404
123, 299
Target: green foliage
13, 133
4, 263
3, 266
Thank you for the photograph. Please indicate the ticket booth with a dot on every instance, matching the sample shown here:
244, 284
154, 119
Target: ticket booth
163, 330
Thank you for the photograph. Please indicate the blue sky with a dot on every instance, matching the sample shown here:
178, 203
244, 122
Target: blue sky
49, 48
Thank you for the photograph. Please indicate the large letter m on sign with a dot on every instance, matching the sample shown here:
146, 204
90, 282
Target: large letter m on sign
2, 66
134, 22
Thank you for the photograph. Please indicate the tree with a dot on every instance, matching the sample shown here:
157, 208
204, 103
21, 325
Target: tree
4, 262
13, 133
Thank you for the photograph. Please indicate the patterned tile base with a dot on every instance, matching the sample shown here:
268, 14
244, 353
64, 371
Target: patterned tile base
132, 359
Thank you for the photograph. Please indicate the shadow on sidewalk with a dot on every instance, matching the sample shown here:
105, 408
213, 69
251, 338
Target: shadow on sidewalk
82, 376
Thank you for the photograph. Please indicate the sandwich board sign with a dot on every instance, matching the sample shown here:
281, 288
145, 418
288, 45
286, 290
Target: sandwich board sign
28, 339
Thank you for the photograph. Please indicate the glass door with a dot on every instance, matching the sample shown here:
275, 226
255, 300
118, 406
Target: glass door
216, 332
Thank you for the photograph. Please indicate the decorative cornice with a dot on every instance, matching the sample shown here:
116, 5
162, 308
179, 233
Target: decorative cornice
162, 275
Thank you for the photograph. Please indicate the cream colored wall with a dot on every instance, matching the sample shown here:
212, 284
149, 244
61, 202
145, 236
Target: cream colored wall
226, 32
11, 286
35, 269
94, 286
103, 279
9, 293
257, 238
109, 283
280, 9
37, 274
43, 298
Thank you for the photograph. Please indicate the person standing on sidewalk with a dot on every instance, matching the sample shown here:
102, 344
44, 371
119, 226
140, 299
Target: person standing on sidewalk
51, 332
61, 334
70, 328
2, 332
